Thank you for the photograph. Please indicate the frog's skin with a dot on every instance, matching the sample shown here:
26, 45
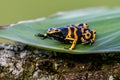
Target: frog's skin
74, 34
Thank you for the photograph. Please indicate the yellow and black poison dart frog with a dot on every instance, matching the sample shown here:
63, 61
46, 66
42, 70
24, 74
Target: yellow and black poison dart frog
73, 34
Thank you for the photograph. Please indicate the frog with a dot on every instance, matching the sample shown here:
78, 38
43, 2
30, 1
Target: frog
71, 34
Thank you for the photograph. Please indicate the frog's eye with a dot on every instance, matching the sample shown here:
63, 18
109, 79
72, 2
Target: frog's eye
50, 29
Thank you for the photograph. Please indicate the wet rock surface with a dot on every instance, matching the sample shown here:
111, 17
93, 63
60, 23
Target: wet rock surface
22, 62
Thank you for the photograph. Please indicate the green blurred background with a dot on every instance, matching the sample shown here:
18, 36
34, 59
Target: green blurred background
12, 11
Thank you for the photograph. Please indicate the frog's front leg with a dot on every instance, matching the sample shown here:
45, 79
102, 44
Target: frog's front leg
73, 44
74, 40
42, 35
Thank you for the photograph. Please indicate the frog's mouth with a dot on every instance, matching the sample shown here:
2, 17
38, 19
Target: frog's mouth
56, 36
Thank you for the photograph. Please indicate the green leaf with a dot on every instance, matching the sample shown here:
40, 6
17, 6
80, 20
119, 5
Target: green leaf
105, 21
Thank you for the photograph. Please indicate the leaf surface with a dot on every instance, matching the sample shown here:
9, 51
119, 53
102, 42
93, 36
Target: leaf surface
105, 21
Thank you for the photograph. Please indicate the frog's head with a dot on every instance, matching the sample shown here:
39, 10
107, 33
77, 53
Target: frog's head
53, 31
